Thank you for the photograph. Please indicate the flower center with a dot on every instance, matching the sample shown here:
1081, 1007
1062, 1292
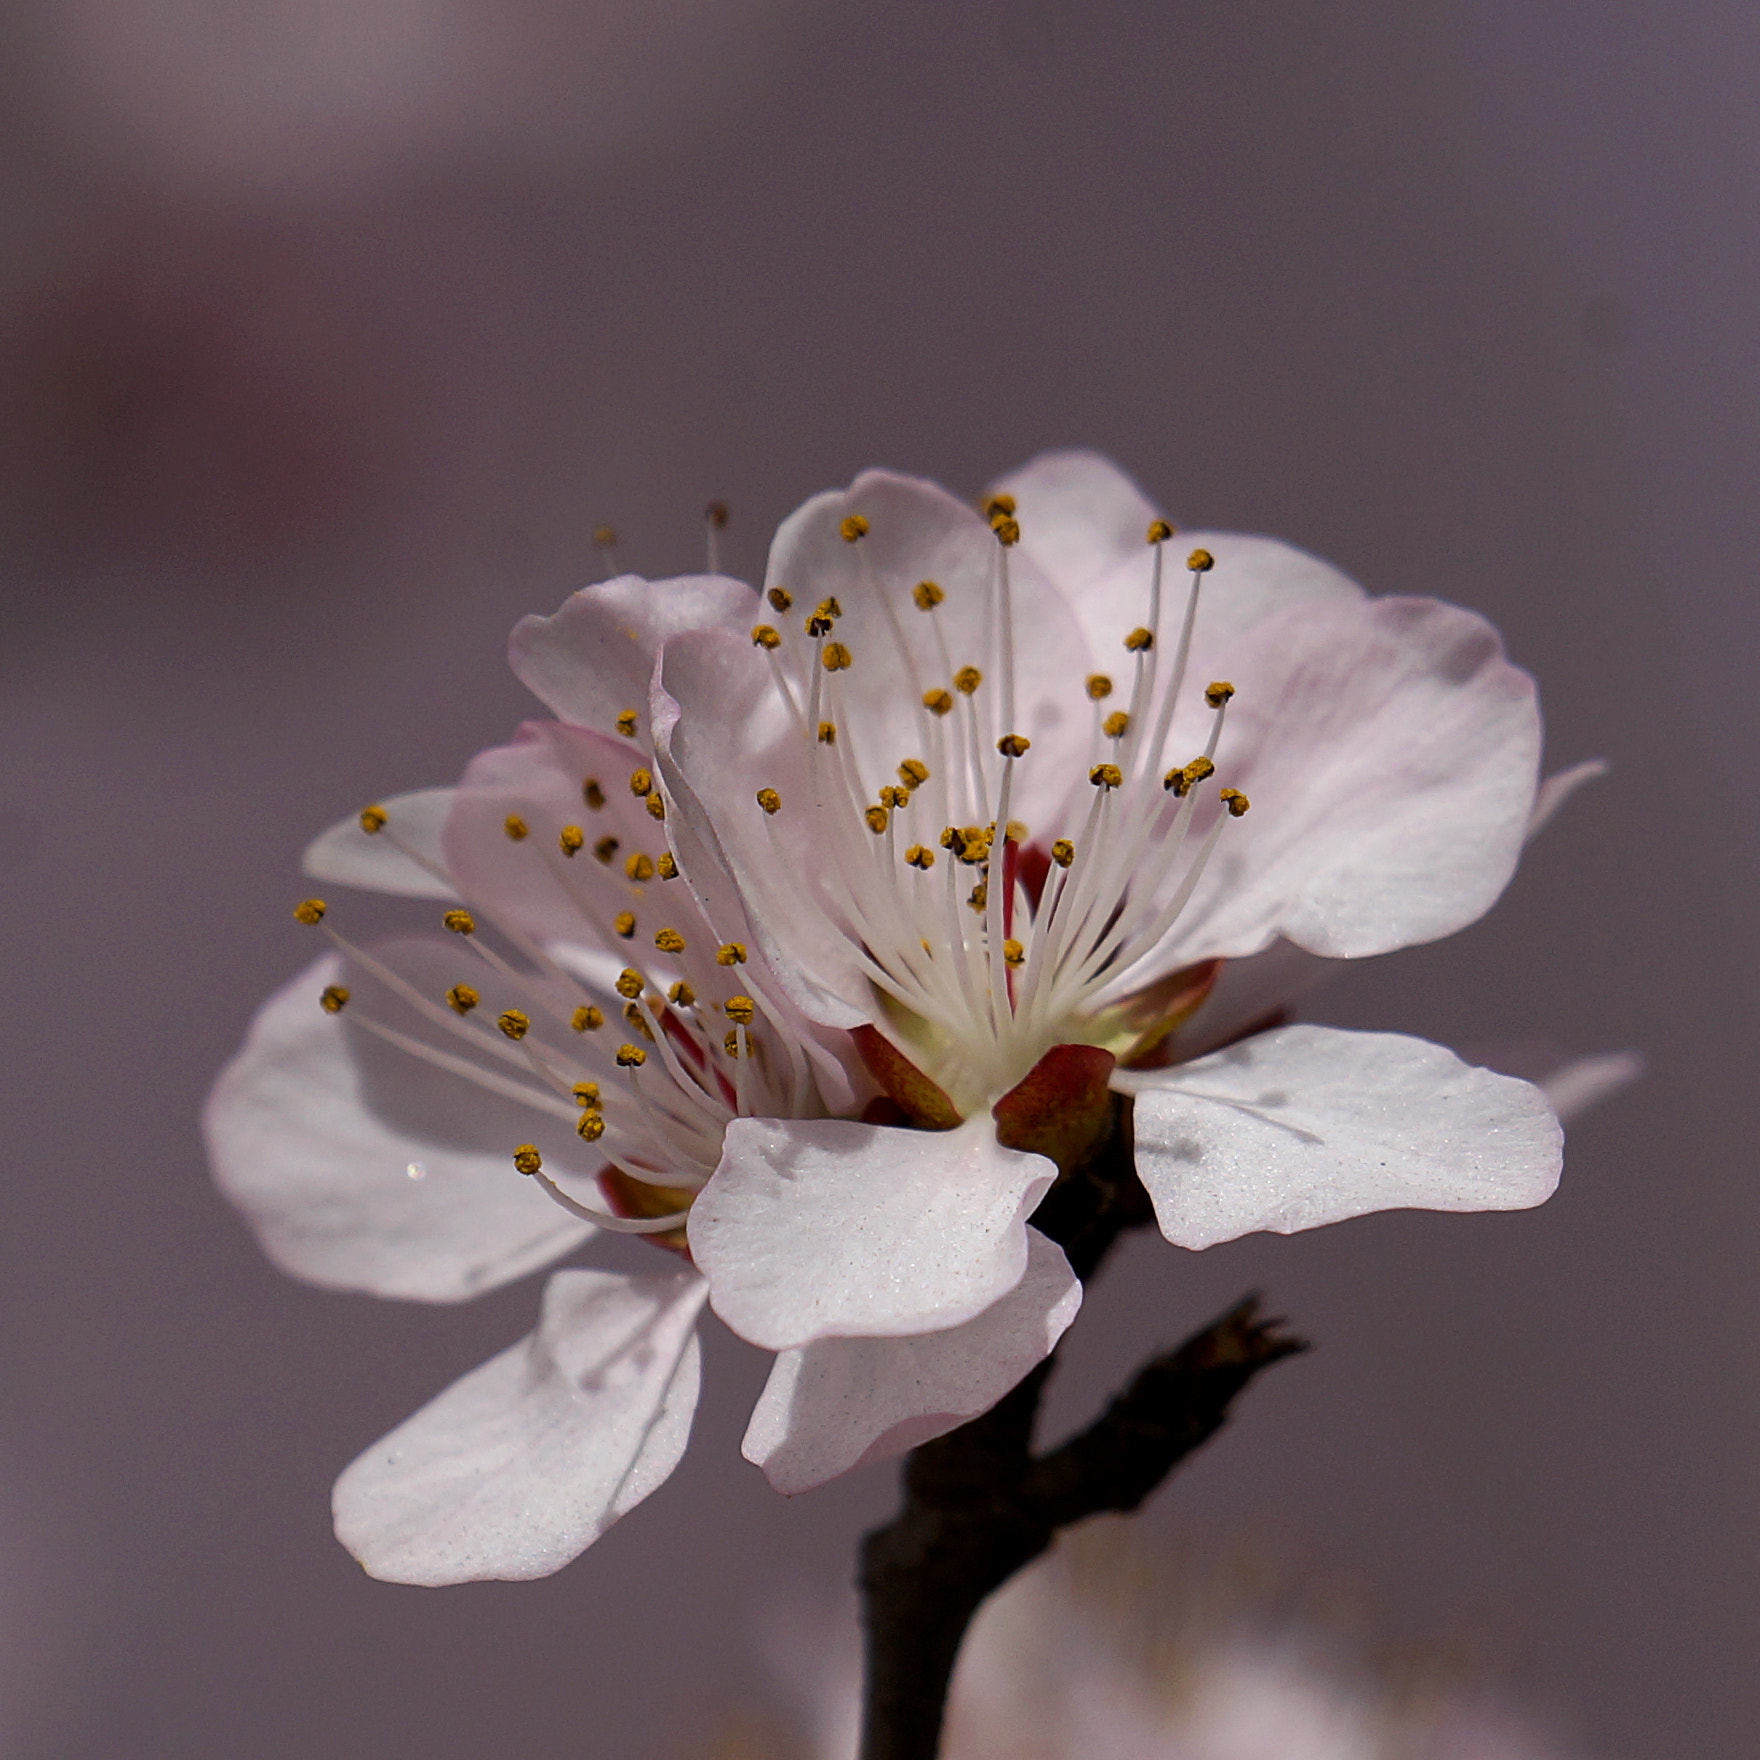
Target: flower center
988, 940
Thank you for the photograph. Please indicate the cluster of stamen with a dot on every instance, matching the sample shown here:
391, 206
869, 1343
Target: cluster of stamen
1002, 969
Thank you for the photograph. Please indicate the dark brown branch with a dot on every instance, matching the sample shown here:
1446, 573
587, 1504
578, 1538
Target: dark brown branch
979, 1505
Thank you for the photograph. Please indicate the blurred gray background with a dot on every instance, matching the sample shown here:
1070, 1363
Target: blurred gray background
331, 329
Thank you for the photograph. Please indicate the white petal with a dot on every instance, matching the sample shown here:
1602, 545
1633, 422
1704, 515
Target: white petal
1390, 753
843, 1402
1080, 516
402, 859
327, 1184
595, 657
1558, 788
1309, 1125
520, 1465
1582, 1084
823, 1228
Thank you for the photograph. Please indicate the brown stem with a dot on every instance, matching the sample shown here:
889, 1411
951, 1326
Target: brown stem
979, 1504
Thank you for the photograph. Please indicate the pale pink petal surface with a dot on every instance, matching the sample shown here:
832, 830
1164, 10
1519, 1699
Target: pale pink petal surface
826, 1228
1307, 1125
843, 1402
340, 1196
404, 858
520, 1465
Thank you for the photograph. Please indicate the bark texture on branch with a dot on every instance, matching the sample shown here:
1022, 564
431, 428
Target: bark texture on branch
979, 1503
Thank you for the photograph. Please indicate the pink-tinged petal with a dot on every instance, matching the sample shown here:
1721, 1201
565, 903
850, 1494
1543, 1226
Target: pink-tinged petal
404, 857
338, 1195
917, 532
1304, 1126
1081, 517
594, 658
1582, 1084
721, 732
1558, 788
1389, 751
540, 787
821, 1228
522, 1464
843, 1402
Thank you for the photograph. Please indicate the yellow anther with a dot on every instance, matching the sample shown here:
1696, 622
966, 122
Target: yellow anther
770, 800
604, 536
980, 896
828, 608
853, 528
817, 624
1116, 725
780, 599
666, 867
625, 924
639, 867
1236, 802
592, 793
333, 998
877, 819
526, 1159
1140, 640
631, 1057
587, 1018
894, 797
998, 506
765, 635
1013, 745
1015, 831
570, 840
836, 657
586, 1093
514, 1023
626, 723
716, 515
1063, 852
1106, 776
606, 848
1217, 694
669, 941
1185, 778
741, 1010
656, 805
951, 835
629, 983
937, 701
967, 680
591, 1127
641, 783
1159, 531
926, 595
516, 828
912, 773
974, 846
1014, 953
731, 1043
459, 922
827, 733
919, 857
309, 911
1099, 686
1007, 529
681, 995
461, 998
1200, 562
632, 1012
374, 819
731, 953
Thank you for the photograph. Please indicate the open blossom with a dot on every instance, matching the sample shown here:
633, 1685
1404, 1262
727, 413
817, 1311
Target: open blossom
825, 928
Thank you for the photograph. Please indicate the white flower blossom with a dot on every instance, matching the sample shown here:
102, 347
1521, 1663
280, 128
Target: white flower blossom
824, 928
